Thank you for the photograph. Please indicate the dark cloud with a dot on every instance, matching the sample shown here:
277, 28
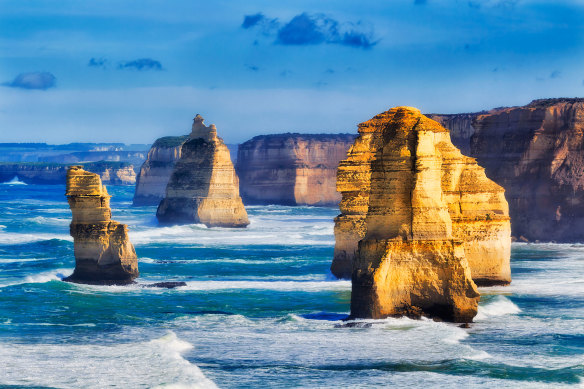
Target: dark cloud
308, 29
253, 68
252, 20
141, 64
555, 74
33, 80
97, 63
492, 3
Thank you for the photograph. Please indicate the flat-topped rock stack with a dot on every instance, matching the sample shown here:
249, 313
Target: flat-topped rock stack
103, 251
419, 221
203, 187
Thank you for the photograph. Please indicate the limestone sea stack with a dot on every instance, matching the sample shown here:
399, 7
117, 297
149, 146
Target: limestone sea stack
292, 169
418, 221
156, 170
103, 251
536, 152
203, 187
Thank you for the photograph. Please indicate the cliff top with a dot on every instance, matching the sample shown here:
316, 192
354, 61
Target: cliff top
170, 141
402, 119
199, 130
84, 183
541, 103
298, 136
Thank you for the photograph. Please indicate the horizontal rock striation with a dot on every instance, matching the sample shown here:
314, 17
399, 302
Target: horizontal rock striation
536, 153
460, 126
103, 251
203, 187
156, 170
476, 209
113, 173
291, 169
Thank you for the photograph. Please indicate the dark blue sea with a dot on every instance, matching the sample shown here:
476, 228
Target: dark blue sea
260, 310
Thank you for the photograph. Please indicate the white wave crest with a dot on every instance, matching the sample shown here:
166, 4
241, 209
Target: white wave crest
10, 238
268, 285
14, 181
499, 306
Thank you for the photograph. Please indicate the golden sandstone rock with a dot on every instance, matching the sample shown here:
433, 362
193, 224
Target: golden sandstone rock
103, 251
418, 220
204, 187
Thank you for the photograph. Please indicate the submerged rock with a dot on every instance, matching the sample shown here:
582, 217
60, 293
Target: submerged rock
476, 209
203, 187
415, 214
103, 251
291, 169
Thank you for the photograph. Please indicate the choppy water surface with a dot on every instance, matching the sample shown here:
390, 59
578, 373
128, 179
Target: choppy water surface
260, 309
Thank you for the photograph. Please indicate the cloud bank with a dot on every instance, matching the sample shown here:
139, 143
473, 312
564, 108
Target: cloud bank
141, 64
33, 80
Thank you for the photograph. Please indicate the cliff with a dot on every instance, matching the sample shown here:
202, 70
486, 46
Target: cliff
536, 153
103, 252
475, 211
291, 169
156, 170
203, 187
460, 126
114, 173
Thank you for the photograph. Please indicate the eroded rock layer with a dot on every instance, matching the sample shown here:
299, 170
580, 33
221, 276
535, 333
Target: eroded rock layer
536, 153
103, 251
203, 187
45, 173
415, 214
291, 169
156, 170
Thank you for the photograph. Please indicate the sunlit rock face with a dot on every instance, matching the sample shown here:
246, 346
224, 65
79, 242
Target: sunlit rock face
418, 221
203, 187
292, 169
103, 251
536, 153
157, 169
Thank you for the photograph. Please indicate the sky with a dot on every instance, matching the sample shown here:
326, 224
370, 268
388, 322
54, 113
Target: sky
132, 71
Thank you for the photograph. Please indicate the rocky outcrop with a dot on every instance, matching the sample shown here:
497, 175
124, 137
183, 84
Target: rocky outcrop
460, 126
536, 153
291, 169
114, 173
155, 172
203, 187
103, 251
402, 177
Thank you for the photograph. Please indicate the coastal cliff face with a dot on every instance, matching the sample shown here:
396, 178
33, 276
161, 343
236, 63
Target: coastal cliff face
412, 259
430, 170
156, 170
460, 126
203, 187
291, 169
114, 173
536, 153
103, 251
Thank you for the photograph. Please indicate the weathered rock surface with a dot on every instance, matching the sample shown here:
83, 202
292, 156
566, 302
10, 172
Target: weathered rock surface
103, 251
156, 170
291, 169
427, 218
536, 153
460, 126
114, 173
203, 187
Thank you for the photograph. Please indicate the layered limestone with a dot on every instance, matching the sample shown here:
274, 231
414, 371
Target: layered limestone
103, 251
156, 170
536, 153
440, 188
203, 187
291, 169
460, 126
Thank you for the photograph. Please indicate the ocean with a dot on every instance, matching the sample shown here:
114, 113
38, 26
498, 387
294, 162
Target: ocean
260, 309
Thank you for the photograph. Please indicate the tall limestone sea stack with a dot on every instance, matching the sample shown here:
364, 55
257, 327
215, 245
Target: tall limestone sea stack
203, 187
419, 221
103, 251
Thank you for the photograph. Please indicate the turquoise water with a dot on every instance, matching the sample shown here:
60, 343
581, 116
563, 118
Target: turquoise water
260, 309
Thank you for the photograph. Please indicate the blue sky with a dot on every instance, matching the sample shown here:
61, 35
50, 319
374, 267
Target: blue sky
132, 71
